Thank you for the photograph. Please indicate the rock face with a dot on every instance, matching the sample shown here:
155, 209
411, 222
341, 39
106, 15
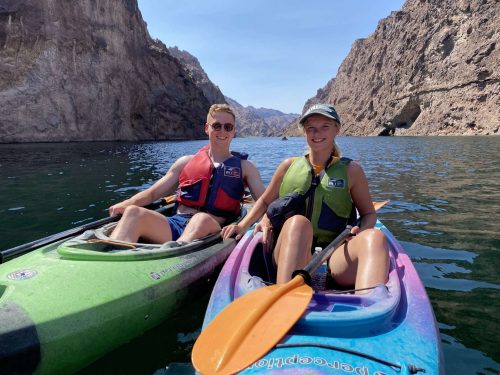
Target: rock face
88, 70
432, 68
198, 75
257, 122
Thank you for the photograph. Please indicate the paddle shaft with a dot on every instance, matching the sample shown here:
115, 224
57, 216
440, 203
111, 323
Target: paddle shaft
323, 255
14, 252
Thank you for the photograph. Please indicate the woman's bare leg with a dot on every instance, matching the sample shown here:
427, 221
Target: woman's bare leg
293, 247
362, 262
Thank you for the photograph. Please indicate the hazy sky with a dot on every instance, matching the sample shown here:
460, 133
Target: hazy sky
266, 53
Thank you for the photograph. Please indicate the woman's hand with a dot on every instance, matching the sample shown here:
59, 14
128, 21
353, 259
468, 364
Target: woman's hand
354, 231
266, 228
232, 230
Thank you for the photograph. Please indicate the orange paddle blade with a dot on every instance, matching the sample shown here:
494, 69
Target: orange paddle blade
249, 327
378, 205
169, 199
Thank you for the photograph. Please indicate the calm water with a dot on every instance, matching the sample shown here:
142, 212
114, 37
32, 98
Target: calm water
445, 209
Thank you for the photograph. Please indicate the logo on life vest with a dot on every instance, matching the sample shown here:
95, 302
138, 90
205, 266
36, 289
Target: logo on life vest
336, 183
232, 172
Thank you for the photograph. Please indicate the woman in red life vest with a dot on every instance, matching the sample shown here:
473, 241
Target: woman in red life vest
210, 183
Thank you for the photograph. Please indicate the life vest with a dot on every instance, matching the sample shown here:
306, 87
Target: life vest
216, 190
329, 205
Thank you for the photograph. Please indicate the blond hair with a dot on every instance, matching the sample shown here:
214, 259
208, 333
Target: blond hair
220, 108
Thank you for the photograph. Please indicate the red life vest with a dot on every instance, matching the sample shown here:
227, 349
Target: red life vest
216, 190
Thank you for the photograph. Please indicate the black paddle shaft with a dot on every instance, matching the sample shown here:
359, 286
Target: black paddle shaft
323, 255
14, 252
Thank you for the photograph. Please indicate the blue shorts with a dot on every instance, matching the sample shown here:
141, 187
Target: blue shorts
178, 223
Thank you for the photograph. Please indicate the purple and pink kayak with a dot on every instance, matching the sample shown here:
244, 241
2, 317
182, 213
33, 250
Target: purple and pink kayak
389, 330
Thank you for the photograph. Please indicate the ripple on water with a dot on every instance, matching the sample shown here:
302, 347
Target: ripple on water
418, 252
16, 208
436, 184
444, 276
474, 361
82, 221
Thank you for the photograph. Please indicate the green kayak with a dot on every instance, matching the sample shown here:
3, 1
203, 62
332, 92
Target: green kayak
66, 304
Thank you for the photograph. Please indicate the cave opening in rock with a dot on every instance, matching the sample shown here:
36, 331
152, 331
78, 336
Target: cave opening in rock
407, 116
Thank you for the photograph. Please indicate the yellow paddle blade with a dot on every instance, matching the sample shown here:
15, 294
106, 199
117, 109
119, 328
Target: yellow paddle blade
249, 327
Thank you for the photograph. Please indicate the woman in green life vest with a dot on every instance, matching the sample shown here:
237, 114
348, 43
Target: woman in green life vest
339, 188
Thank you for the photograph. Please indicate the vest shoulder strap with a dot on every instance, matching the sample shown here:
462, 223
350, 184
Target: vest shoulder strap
241, 155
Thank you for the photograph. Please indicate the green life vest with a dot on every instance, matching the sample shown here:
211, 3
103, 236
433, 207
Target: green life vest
329, 206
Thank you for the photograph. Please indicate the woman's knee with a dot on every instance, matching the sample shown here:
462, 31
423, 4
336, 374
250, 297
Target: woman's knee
298, 223
373, 242
295, 236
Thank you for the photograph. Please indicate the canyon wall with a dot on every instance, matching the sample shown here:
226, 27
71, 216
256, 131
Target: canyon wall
88, 70
432, 68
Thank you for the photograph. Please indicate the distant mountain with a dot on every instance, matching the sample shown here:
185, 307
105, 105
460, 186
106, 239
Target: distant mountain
250, 121
256, 122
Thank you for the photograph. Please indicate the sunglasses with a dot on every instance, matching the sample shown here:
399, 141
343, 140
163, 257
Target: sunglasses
217, 126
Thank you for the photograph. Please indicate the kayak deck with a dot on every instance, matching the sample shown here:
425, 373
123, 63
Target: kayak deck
389, 330
79, 300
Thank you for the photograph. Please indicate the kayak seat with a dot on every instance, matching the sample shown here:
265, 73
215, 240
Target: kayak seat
262, 266
355, 314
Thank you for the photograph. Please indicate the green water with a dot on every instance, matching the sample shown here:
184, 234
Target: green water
445, 209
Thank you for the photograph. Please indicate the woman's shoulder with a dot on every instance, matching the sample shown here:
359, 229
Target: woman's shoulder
288, 162
354, 170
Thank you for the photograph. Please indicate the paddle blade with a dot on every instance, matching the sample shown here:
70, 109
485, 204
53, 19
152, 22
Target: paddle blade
378, 205
249, 327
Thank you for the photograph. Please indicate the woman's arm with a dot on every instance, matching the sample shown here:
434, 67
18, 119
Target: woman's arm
260, 207
360, 193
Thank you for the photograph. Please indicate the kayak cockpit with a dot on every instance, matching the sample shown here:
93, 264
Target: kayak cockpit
92, 245
331, 312
96, 244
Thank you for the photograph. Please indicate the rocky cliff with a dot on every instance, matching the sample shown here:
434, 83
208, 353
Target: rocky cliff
198, 75
432, 68
88, 70
257, 122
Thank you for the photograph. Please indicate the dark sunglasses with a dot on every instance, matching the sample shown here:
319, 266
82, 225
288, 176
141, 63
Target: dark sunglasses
217, 126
